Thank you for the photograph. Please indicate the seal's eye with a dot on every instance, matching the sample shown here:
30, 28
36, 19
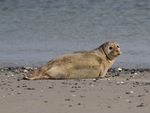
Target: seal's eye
110, 48
117, 46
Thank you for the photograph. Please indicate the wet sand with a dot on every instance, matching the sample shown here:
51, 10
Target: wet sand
126, 91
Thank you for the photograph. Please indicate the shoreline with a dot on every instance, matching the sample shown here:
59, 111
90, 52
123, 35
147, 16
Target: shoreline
127, 90
114, 71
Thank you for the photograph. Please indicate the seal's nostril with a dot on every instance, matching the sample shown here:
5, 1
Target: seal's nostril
117, 50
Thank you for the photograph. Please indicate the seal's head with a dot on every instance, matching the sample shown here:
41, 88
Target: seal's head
111, 50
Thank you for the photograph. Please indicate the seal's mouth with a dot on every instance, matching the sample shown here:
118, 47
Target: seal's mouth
117, 53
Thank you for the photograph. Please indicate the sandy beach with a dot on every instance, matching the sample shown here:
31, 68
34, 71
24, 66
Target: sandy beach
33, 32
126, 91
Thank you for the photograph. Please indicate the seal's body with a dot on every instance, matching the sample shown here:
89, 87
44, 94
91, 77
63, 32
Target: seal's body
79, 65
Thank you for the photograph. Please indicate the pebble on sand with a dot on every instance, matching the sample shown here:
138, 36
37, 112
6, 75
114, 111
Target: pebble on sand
129, 92
120, 82
119, 69
140, 105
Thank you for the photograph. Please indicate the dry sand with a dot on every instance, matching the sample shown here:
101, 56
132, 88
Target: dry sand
127, 91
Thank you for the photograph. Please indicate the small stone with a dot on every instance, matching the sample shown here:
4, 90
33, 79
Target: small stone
67, 99
18, 86
70, 105
50, 87
146, 91
132, 76
30, 88
119, 69
12, 93
18, 93
45, 101
129, 101
94, 80
140, 105
79, 86
75, 83
73, 95
127, 79
132, 71
28, 68
148, 83
24, 86
108, 106
2, 70
92, 85
72, 91
120, 82
79, 104
82, 96
25, 71
130, 92
140, 95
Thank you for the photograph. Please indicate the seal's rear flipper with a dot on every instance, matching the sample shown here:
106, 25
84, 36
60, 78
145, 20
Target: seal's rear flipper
31, 75
36, 75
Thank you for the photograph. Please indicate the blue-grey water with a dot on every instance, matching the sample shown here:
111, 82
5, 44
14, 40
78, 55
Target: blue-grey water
34, 31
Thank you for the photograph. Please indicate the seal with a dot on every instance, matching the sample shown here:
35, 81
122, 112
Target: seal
79, 65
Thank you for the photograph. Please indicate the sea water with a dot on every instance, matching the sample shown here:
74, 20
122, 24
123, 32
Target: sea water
34, 31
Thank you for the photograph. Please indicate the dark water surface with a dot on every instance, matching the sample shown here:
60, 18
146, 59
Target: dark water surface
34, 31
